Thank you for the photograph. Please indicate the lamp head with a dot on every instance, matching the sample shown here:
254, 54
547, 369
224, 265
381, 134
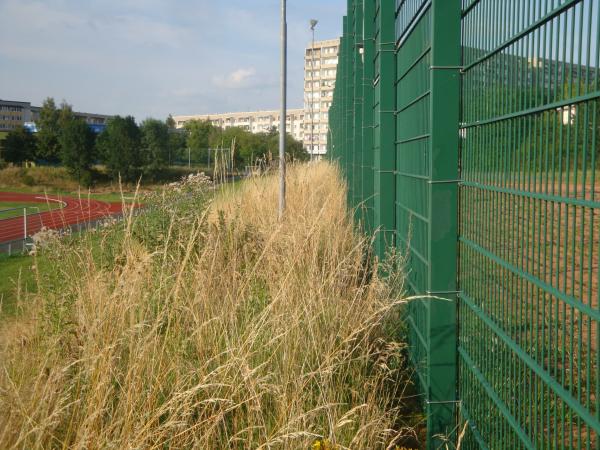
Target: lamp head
313, 23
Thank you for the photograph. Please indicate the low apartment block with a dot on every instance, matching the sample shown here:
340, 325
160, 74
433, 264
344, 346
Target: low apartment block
255, 122
15, 114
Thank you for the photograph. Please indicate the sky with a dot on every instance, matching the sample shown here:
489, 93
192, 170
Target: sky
152, 58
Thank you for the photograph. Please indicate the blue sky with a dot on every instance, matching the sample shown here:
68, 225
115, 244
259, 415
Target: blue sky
150, 58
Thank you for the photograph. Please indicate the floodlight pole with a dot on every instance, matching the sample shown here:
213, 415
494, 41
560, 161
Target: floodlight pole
283, 113
313, 24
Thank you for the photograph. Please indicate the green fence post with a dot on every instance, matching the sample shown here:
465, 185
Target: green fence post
357, 123
384, 129
443, 210
343, 112
349, 103
367, 113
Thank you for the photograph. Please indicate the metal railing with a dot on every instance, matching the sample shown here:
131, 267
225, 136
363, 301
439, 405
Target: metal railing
25, 210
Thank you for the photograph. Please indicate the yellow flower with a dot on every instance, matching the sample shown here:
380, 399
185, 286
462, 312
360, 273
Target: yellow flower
323, 444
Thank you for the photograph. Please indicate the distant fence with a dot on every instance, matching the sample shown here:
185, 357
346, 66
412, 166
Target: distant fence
24, 245
468, 132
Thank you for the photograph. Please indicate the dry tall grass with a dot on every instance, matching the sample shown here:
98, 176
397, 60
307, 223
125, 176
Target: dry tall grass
237, 332
39, 177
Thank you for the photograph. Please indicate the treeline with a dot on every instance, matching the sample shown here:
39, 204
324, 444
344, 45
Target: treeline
563, 139
130, 151
248, 147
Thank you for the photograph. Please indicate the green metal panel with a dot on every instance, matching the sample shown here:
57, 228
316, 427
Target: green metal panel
384, 127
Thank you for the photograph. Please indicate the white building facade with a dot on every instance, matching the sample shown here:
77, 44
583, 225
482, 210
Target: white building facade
320, 69
255, 121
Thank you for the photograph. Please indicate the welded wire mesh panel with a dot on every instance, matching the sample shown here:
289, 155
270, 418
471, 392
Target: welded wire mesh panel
413, 132
407, 13
529, 224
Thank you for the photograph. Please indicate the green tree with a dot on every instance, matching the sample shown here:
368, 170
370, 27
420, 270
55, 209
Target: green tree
18, 146
48, 147
177, 145
198, 138
77, 149
294, 149
171, 122
155, 147
250, 147
119, 148
177, 140
580, 127
65, 116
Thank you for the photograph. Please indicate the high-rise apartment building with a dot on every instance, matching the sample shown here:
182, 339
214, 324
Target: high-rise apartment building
320, 67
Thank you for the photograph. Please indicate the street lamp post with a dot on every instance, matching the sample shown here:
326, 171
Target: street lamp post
313, 24
283, 113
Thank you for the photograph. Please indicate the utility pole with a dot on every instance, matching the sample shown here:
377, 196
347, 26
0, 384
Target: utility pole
313, 24
283, 113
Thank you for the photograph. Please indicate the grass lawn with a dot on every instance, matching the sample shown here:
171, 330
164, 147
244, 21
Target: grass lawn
18, 278
109, 197
15, 274
8, 211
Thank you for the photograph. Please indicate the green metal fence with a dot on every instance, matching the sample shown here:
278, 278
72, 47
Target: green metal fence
468, 134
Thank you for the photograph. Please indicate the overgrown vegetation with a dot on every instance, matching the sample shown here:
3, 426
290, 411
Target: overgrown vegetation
206, 323
37, 178
56, 180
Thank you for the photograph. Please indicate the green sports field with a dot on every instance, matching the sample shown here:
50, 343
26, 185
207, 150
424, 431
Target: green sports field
9, 210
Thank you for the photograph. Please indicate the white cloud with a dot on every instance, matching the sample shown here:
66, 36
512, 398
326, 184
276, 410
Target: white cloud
240, 78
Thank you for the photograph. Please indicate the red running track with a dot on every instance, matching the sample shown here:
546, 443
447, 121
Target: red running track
74, 211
